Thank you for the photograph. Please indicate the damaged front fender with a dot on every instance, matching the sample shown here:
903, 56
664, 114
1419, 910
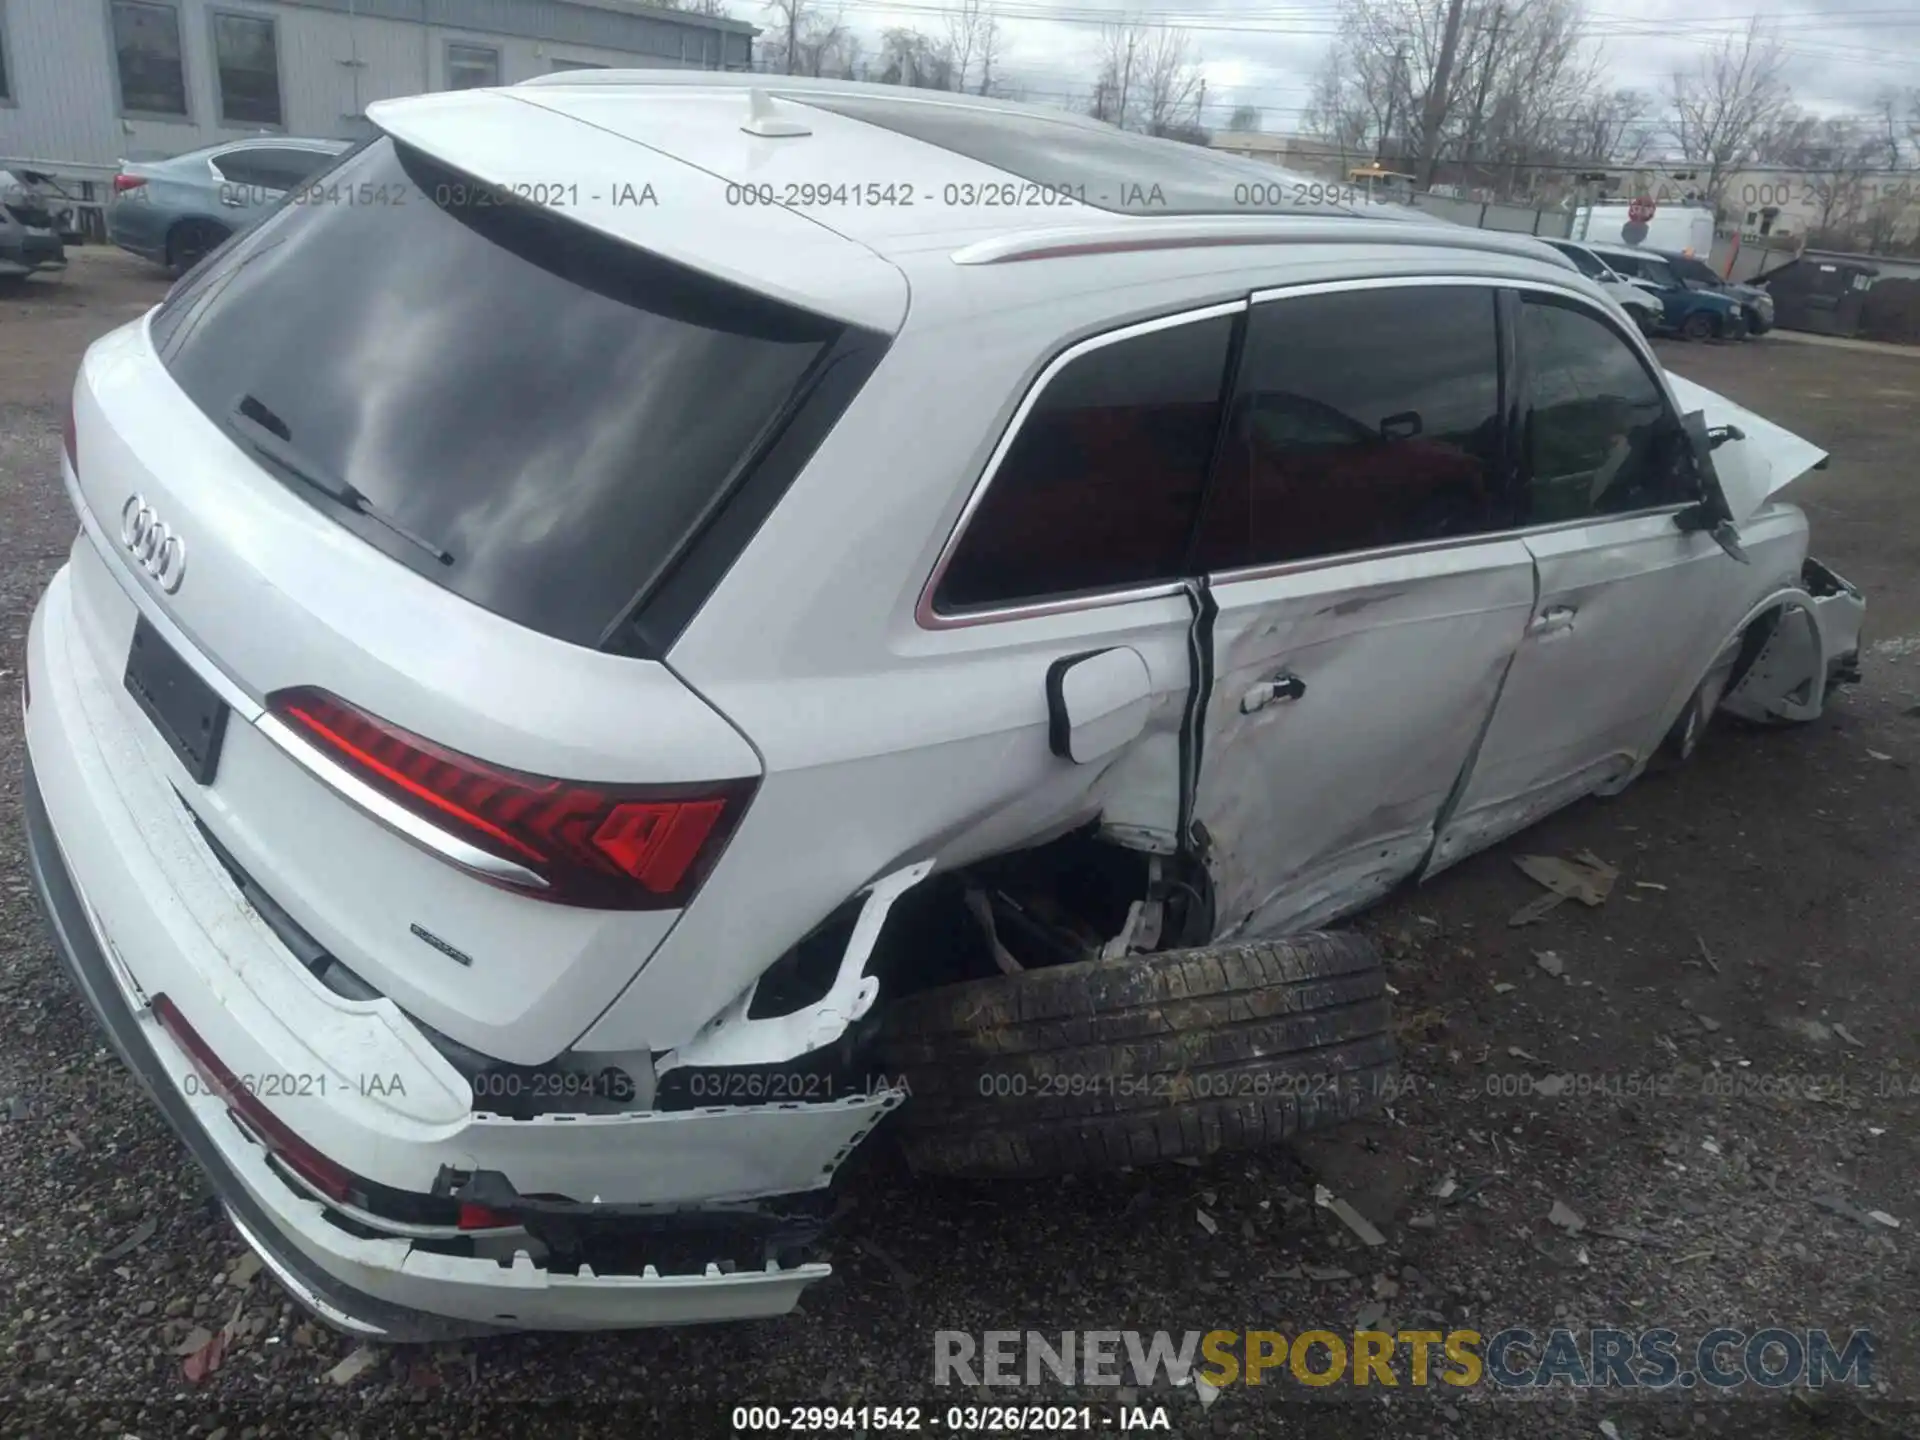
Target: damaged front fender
1798, 644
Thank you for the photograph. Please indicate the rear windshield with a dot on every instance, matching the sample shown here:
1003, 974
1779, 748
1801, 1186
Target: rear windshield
550, 414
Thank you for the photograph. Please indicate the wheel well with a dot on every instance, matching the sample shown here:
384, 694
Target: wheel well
193, 223
1051, 904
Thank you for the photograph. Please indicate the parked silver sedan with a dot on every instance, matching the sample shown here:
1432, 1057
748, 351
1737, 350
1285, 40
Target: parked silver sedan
174, 212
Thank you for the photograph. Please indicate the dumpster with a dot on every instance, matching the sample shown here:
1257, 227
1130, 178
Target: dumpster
1822, 296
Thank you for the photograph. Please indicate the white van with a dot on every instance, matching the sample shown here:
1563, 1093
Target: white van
1687, 229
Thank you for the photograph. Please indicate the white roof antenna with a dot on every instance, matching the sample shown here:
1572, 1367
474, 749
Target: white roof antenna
762, 120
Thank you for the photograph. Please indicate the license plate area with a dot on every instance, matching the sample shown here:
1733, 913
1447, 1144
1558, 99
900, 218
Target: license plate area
182, 706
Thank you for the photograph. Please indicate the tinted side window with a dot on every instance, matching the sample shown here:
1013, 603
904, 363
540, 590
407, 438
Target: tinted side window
272, 169
1363, 418
1598, 437
1100, 486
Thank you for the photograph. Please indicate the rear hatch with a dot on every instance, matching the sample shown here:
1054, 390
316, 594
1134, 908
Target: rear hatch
372, 499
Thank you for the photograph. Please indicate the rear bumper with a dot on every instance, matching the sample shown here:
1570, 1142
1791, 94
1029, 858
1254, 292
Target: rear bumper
22, 254
138, 908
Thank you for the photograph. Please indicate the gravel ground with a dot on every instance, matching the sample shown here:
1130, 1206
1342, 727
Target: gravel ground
1764, 925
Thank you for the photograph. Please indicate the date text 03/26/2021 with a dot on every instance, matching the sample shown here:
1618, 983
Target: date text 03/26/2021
947, 1420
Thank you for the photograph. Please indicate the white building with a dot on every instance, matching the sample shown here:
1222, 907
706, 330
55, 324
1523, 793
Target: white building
92, 81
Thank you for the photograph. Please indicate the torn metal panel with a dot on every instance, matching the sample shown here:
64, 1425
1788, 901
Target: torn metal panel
1766, 457
1346, 700
730, 1038
1810, 639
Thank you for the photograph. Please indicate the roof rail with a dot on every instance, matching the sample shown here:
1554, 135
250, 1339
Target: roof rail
1193, 232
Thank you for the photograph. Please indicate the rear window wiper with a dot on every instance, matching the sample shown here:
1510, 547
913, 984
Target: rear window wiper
267, 433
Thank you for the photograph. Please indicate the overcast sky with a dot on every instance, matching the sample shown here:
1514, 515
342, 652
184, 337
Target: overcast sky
1264, 52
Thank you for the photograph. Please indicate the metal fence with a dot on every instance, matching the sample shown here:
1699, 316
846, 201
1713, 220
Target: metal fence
1497, 215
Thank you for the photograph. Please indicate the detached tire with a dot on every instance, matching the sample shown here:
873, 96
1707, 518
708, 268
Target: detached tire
1156, 1057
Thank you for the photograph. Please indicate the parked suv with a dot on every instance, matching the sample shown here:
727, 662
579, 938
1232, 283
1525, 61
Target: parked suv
681, 602
1756, 306
1692, 313
1645, 308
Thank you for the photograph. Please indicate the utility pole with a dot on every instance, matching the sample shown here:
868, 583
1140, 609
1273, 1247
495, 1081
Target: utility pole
1436, 106
1126, 77
1200, 105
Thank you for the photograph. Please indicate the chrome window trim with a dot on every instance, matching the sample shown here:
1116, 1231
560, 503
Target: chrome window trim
924, 612
396, 818
1219, 578
931, 619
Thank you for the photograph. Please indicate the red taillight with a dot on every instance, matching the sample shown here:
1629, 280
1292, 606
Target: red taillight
330, 1179
123, 183
67, 440
479, 1217
610, 847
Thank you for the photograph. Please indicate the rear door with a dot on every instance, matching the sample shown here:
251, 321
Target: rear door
1627, 600
1368, 603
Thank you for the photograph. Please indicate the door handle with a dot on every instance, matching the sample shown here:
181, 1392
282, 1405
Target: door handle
1553, 618
1282, 687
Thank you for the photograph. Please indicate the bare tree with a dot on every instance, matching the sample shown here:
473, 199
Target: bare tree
1520, 89
991, 51
1834, 158
804, 39
1245, 119
966, 24
1724, 106
1611, 128
1170, 83
910, 57
1119, 45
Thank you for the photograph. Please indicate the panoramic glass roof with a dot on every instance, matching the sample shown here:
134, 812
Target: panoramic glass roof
1109, 169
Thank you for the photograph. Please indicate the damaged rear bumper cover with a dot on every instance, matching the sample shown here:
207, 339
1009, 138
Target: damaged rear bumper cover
387, 1288
192, 985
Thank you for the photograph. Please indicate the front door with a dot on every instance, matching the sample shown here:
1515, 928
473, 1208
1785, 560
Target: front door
1367, 603
1626, 598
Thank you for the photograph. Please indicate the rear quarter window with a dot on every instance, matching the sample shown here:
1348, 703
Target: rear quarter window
559, 411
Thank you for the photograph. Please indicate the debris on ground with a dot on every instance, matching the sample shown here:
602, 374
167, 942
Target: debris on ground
1206, 1393
901, 1275
1207, 1222
1853, 1212
1550, 1087
1371, 1314
244, 1269
356, 1364
1706, 954
1584, 877
1848, 1036
1348, 1216
1627, 1232
132, 1241
1501, 987
1807, 1028
1565, 1217
1550, 962
206, 1357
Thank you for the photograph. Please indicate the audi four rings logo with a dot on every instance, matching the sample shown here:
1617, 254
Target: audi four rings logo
161, 553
